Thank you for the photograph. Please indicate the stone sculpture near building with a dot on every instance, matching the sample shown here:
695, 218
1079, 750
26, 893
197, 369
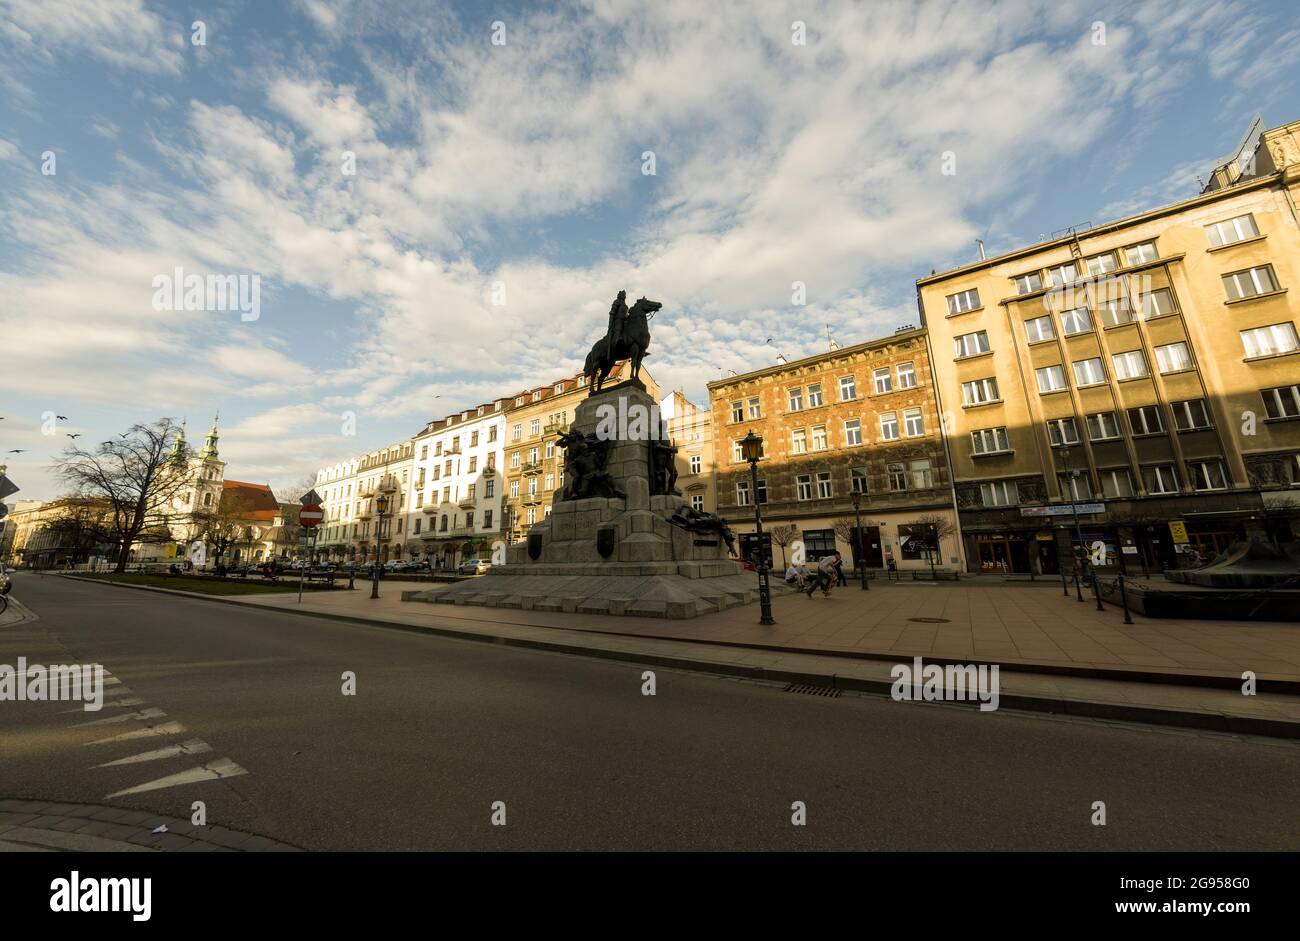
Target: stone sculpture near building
618, 538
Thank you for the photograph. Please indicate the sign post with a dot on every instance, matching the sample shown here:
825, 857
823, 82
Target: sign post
309, 517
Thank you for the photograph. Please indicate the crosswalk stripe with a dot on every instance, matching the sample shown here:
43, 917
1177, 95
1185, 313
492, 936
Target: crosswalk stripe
127, 717
213, 771
118, 691
194, 746
167, 728
115, 704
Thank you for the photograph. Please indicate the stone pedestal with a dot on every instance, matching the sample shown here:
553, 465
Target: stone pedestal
613, 555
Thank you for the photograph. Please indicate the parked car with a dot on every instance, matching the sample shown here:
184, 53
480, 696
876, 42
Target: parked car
474, 566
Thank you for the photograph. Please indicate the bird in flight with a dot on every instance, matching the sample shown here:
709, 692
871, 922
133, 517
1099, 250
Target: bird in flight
61, 417
74, 437
17, 451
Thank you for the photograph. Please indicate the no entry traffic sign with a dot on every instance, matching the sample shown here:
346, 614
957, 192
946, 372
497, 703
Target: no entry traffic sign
310, 515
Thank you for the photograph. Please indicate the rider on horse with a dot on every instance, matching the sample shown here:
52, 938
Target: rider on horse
617, 317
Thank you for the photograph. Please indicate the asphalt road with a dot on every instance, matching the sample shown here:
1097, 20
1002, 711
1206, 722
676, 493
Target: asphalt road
440, 729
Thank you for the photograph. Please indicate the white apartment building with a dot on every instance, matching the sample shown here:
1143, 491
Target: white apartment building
337, 487
456, 496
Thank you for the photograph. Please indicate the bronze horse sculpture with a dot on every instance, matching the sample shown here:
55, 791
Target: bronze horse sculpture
629, 331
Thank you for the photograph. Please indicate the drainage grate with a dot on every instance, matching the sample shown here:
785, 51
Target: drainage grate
809, 690
931, 620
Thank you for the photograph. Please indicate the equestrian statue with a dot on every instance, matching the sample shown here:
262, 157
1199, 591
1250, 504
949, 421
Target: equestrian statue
626, 337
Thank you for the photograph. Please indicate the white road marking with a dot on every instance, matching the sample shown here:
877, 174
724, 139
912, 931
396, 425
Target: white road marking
167, 728
142, 714
213, 771
194, 746
115, 704
117, 690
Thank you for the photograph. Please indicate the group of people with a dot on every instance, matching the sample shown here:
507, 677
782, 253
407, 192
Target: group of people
828, 571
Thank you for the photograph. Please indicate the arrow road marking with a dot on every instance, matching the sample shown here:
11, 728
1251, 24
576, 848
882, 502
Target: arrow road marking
167, 728
217, 770
194, 746
115, 704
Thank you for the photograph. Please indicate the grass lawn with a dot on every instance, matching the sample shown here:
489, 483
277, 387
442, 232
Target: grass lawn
253, 585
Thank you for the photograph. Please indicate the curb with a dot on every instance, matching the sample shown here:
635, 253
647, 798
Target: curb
1083, 708
24, 614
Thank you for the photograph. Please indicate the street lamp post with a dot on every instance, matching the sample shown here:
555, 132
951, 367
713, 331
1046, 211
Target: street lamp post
1078, 530
381, 506
751, 448
856, 497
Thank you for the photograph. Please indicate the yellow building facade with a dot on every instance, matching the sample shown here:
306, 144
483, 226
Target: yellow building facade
1145, 372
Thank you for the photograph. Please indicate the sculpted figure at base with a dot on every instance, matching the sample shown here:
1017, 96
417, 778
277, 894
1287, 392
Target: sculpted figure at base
584, 467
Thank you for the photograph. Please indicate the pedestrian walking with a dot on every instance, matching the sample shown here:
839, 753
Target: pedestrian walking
840, 580
823, 575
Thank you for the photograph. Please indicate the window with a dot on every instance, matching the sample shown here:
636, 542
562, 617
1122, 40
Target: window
799, 441
1075, 485
548, 450
825, 488
814, 394
762, 491
883, 381
1103, 426
803, 487
922, 474
1050, 378
1063, 274
848, 389
1115, 311
1145, 420
737, 411
852, 432
796, 400
487, 518
1116, 483
755, 408
1129, 365
537, 395
889, 426
1250, 283
1283, 402
1270, 341
492, 434
913, 422
1207, 475
1138, 254
906, 375
550, 482
532, 455
1160, 478
737, 453
989, 441
819, 442
534, 427
1075, 321
1173, 357
489, 488
437, 449
517, 432
1231, 230
1191, 415
1062, 432
469, 519
473, 439
424, 452
1040, 328
1088, 372
514, 488
963, 301
970, 344
1157, 303
697, 502
999, 493
1101, 264
858, 477
979, 391
1029, 283
697, 463
896, 473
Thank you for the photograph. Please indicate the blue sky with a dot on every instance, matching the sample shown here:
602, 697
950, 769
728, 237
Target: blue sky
521, 165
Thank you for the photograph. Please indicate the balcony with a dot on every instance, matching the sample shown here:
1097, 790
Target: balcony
555, 428
489, 471
429, 508
531, 499
467, 503
532, 468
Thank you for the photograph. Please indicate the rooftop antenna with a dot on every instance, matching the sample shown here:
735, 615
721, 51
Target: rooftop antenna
830, 340
980, 243
780, 359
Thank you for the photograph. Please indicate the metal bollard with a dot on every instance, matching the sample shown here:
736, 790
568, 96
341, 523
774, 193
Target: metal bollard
1078, 587
1123, 598
1096, 587
1065, 587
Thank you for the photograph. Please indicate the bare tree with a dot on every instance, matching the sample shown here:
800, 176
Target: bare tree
783, 536
139, 476
80, 527
222, 528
